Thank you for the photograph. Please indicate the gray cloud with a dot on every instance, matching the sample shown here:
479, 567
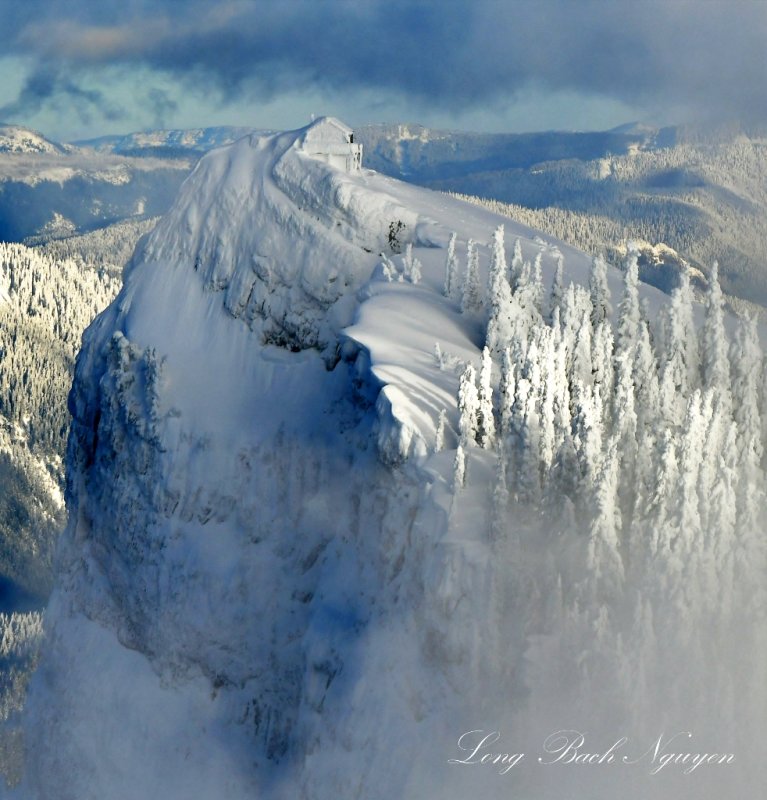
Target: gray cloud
161, 106
703, 55
52, 87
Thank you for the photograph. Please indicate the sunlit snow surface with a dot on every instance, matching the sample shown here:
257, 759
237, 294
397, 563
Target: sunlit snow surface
268, 588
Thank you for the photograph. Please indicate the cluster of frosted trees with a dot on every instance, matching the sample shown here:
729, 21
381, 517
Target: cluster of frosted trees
408, 268
631, 452
651, 432
45, 304
105, 249
45, 307
20, 638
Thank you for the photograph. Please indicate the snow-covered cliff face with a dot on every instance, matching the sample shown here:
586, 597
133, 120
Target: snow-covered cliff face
271, 584
280, 235
233, 531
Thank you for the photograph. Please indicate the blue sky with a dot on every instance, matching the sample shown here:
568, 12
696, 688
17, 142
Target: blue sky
86, 68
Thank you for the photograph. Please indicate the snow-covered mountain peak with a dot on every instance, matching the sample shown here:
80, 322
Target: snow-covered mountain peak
282, 231
283, 227
293, 546
16, 139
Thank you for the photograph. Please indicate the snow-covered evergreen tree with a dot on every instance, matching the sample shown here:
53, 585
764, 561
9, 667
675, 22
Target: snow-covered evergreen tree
500, 325
629, 313
687, 332
557, 287
389, 269
459, 469
599, 291
581, 348
716, 368
485, 418
506, 391
528, 455
471, 301
717, 422
648, 410
662, 513
693, 444
680, 369
452, 287
536, 284
517, 264
468, 406
625, 435
645, 373
497, 276
588, 430
747, 360
602, 358
439, 433
438, 357
604, 560
411, 266
559, 383
576, 333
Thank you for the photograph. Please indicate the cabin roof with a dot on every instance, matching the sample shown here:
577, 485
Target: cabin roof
327, 128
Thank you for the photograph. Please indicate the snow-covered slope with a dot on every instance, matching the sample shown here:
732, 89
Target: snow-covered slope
49, 194
699, 189
268, 586
15, 139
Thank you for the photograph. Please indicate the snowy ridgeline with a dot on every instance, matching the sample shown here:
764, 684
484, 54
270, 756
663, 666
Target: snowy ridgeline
303, 571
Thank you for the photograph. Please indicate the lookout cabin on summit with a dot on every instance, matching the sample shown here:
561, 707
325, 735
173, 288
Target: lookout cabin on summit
331, 141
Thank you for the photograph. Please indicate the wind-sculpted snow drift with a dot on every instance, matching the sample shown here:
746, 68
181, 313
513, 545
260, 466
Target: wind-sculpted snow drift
273, 583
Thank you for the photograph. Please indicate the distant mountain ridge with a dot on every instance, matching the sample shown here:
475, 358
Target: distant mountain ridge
420, 155
180, 141
18, 139
697, 189
410, 150
700, 190
49, 189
